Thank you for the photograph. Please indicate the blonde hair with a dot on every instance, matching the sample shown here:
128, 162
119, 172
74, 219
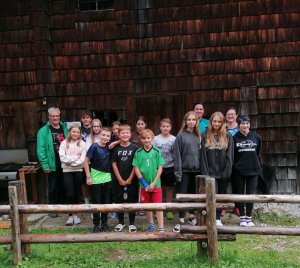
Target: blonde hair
96, 120
196, 128
221, 137
124, 127
146, 132
69, 135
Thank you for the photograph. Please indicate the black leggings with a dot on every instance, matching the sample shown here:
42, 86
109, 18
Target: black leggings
187, 186
101, 195
72, 183
240, 182
221, 188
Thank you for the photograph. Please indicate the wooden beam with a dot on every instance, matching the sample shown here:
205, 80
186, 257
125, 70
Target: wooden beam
109, 237
15, 227
212, 234
293, 231
224, 198
201, 217
41, 208
22, 199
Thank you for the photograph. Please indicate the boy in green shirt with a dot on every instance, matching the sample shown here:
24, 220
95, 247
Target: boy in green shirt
148, 162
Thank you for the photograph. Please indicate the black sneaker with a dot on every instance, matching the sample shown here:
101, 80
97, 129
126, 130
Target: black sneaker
96, 229
105, 227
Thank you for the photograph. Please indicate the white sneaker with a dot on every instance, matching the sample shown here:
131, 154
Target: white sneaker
243, 224
70, 221
76, 220
119, 227
219, 223
251, 224
192, 221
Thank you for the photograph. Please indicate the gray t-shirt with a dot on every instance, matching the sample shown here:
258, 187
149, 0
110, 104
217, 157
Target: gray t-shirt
166, 145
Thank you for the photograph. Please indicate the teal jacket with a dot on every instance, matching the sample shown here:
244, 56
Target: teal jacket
44, 146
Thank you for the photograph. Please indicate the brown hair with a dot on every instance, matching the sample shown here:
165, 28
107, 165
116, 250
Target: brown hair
86, 113
196, 128
116, 123
222, 137
165, 120
142, 118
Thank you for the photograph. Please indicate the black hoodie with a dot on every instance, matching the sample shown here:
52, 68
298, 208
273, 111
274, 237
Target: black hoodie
246, 153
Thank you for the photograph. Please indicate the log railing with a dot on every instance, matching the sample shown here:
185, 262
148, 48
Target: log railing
205, 203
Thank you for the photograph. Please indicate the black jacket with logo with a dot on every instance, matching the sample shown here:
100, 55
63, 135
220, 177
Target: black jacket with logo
246, 153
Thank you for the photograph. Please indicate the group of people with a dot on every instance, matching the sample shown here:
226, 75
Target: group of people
115, 165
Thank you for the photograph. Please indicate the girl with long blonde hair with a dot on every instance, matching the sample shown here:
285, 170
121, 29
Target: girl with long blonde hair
72, 154
219, 153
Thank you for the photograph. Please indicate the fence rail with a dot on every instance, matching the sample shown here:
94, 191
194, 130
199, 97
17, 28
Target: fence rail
205, 203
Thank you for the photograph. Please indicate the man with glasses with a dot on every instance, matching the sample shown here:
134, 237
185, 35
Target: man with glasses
49, 138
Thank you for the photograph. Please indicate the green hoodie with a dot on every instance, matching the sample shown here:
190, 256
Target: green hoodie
44, 146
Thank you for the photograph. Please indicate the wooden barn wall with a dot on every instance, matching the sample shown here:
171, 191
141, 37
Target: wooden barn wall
223, 53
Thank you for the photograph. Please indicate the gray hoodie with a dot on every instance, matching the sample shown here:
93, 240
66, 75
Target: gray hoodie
189, 156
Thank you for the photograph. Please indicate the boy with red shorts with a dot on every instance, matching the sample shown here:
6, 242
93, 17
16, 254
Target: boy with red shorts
148, 162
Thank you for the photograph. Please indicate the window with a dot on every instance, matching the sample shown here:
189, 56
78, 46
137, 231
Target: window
88, 5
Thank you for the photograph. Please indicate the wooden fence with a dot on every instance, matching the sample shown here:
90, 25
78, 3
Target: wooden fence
206, 234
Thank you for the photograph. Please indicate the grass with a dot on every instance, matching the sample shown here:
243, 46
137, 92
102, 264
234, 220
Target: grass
247, 251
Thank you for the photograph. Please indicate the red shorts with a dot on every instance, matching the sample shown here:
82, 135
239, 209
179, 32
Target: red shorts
151, 197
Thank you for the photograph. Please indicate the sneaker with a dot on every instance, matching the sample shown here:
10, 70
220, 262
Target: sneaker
161, 229
105, 227
132, 229
243, 221
76, 220
151, 227
251, 224
96, 229
70, 221
219, 223
176, 228
119, 227
249, 221
170, 215
53, 215
192, 221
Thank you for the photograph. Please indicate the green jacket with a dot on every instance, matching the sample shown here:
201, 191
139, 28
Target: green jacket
44, 146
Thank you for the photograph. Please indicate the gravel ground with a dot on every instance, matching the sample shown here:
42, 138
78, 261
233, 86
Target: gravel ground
280, 208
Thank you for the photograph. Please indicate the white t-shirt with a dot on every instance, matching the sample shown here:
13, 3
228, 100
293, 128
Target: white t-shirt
166, 145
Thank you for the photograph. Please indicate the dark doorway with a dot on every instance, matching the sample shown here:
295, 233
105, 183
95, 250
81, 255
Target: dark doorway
154, 108
109, 116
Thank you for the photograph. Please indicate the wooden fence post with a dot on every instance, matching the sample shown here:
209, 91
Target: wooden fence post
201, 216
15, 228
22, 200
212, 233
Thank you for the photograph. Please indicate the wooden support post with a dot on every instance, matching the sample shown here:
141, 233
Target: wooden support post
201, 216
212, 233
22, 200
15, 228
